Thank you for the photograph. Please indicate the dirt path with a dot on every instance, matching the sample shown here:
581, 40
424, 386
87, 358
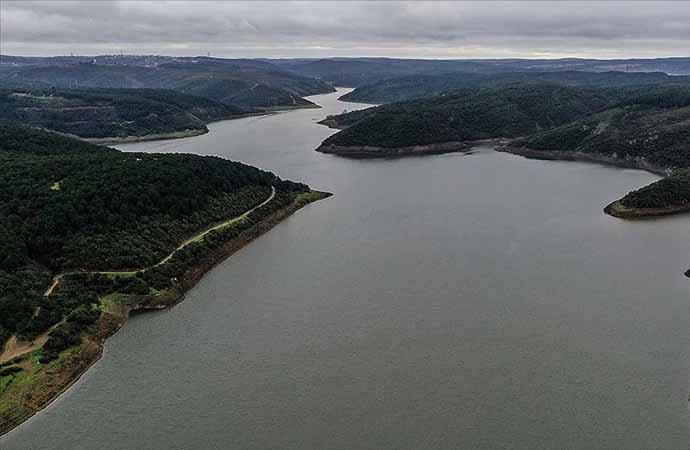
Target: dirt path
14, 348
201, 235
56, 280
195, 238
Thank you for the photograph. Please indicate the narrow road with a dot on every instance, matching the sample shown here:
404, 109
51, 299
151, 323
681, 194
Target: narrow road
14, 348
195, 238
201, 235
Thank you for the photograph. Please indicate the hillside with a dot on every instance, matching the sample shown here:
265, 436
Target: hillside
243, 83
670, 195
463, 116
652, 128
645, 127
112, 113
89, 233
357, 72
415, 86
650, 131
68, 205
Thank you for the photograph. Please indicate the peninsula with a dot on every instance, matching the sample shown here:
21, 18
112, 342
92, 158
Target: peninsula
92, 234
645, 127
453, 121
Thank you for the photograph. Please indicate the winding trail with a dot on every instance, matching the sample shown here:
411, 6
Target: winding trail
56, 280
201, 235
195, 238
14, 348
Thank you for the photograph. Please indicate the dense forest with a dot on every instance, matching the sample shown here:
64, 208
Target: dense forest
670, 192
242, 83
650, 130
69, 206
469, 114
111, 113
654, 126
415, 86
646, 126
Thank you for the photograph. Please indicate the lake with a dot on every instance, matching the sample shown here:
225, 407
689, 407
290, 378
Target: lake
478, 301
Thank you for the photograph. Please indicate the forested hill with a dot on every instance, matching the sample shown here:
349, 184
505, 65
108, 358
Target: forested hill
357, 72
468, 115
112, 113
670, 195
70, 202
653, 126
68, 205
243, 83
415, 86
649, 131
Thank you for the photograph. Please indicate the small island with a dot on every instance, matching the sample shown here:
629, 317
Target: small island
91, 234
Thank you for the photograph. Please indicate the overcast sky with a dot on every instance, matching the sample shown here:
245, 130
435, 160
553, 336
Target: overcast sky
320, 29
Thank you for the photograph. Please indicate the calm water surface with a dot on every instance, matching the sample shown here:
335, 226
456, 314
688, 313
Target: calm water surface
476, 301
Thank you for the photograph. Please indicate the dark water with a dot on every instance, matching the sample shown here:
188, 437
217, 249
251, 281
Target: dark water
470, 302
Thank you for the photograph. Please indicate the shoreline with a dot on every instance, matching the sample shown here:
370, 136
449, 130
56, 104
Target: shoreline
185, 133
164, 136
275, 109
331, 123
78, 360
144, 138
615, 208
557, 155
190, 132
360, 102
367, 152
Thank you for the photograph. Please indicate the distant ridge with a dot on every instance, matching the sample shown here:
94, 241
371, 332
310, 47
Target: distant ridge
244, 83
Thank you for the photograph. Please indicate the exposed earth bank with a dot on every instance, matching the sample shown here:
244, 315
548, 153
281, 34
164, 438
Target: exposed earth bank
617, 209
366, 151
555, 155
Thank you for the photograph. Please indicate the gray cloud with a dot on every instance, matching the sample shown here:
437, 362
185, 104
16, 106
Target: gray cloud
297, 29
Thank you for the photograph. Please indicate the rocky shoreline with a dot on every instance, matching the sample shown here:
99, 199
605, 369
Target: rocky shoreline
171, 135
556, 155
50, 383
145, 138
616, 209
366, 151
271, 109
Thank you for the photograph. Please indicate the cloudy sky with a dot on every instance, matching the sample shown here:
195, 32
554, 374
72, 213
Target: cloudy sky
319, 29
